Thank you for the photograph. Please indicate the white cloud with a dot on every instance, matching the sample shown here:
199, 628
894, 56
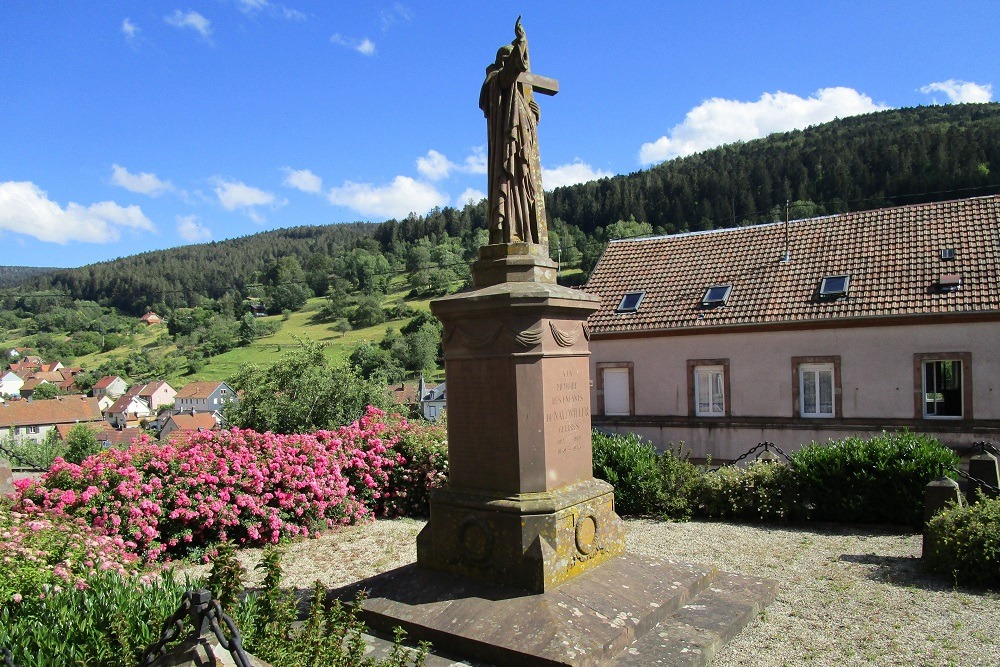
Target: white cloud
434, 165
476, 163
394, 200
959, 92
251, 7
190, 229
238, 195
571, 174
302, 179
190, 19
470, 194
397, 12
130, 29
364, 46
27, 209
143, 183
719, 121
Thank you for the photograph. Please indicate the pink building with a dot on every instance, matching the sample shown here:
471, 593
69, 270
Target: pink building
810, 331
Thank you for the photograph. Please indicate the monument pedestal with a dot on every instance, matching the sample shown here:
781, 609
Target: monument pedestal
522, 561
522, 507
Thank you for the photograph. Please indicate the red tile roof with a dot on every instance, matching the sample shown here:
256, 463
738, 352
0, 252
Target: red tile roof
59, 410
198, 390
892, 256
105, 381
117, 438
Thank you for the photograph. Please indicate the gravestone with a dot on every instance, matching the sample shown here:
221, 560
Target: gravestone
523, 559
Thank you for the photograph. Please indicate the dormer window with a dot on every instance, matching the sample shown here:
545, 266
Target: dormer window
950, 282
717, 295
834, 286
630, 302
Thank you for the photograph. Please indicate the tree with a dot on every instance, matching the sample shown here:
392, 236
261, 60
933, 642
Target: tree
373, 361
81, 443
368, 312
301, 393
285, 285
45, 391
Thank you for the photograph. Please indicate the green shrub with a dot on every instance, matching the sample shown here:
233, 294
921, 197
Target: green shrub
108, 623
965, 543
647, 481
878, 480
760, 491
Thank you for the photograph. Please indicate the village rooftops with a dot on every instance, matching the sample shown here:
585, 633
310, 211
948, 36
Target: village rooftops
903, 263
198, 390
59, 410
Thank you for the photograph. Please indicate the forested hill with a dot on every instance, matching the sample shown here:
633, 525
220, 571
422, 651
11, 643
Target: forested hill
901, 156
893, 157
14, 275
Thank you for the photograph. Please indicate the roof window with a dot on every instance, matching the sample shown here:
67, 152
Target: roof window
630, 302
717, 295
949, 282
947, 253
834, 286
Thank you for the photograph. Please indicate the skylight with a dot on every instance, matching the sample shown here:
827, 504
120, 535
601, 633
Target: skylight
834, 286
947, 253
717, 295
630, 302
949, 282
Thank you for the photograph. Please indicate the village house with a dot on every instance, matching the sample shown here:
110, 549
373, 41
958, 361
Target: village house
109, 385
203, 397
807, 331
432, 400
157, 394
181, 425
151, 318
32, 420
10, 383
128, 411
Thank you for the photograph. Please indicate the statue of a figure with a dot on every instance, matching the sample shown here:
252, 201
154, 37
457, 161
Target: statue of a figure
517, 206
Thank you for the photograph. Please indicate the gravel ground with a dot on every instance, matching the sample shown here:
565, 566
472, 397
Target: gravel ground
849, 595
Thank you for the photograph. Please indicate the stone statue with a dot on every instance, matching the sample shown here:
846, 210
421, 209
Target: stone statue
517, 206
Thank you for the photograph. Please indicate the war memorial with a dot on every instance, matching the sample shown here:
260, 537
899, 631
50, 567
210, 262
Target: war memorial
523, 560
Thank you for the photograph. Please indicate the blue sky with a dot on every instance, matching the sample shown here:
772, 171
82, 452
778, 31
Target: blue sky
133, 126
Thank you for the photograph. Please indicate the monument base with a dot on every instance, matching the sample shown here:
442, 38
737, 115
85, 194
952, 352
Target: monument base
631, 611
513, 263
532, 541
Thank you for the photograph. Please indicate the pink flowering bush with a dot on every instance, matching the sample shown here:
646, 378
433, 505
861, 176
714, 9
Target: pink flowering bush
424, 450
240, 485
41, 555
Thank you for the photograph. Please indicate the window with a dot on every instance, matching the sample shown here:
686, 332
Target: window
942, 385
32, 429
834, 286
615, 388
709, 391
950, 282
816, 387
717, 295
630, 302
947, 253
942, 389
433, 412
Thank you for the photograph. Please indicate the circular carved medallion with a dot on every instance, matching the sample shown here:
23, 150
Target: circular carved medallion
477, 539
586, 534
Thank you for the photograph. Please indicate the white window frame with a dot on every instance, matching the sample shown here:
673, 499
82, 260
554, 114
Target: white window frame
712, 378
817, 368
925, 389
